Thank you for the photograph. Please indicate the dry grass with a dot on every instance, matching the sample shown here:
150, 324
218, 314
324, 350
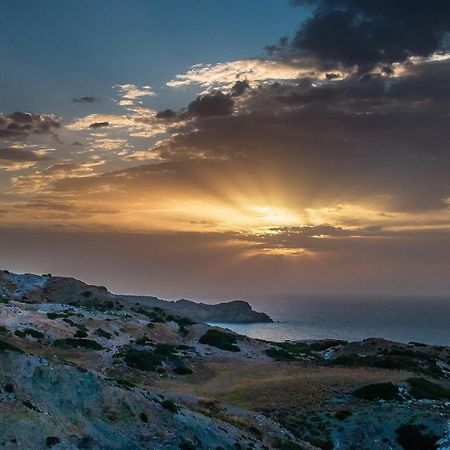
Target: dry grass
258, 385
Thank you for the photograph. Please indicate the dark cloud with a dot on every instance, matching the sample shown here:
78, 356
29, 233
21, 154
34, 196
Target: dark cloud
85, 100
208, 105
366, 33
18, 126
166, 114
239, 87
99, 125
12, 154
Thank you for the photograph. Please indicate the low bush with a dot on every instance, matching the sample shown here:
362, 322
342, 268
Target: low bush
421, 389
377, 391
183, 370
51, 441
221, 340
342, 414
324, 345
62, 315
142, 360
411, 437
170, 406
12, 348
80, 333
30, 332
279, 354
78, 343
102, 333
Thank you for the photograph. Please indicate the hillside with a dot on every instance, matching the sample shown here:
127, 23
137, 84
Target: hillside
81, 368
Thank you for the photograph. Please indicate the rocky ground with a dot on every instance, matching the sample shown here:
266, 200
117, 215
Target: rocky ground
82, 368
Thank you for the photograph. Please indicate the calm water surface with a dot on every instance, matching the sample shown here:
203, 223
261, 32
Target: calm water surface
402, 320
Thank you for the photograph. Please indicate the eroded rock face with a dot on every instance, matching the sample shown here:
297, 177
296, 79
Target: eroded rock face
80, 409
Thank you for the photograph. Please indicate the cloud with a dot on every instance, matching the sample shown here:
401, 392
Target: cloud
99, 125
14, 158
21, 155
254, 71
131, 94
369, 33
166, 114
85, 100
217, 104
143, 123
19, 126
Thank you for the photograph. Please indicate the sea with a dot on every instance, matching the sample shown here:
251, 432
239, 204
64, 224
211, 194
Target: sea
425, 320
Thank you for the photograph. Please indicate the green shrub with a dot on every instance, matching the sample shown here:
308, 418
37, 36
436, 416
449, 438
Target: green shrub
80, 333
183, 330
279, 354
142, 360
183, 370
78, 343
410, 437
29, 332
166, 350
143, 417
102, 333
3, 330
324, 345
144, 340
12, 348
377, 391
170, 406
421, 388
342, 414
52, 441
62, 315
221, 340
124, 383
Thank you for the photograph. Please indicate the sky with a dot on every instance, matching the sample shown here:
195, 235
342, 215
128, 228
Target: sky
217, 150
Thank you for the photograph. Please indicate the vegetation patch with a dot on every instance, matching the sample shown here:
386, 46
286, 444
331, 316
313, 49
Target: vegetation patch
12, 348
170, 406
183, 370
325, 345
141, 359
377, 391
279, 354
62, 315
413, 437
424, 389
342, 414
149, 360
102, 333
157, 315
144, 340
95, 304
51, 441
408, 360
29, 332
221, 340
78, 343
81, 333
